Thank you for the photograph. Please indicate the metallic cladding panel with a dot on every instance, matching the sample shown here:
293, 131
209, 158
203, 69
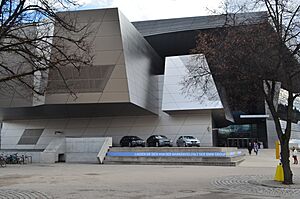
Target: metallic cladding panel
178, 95
14, 93
106, 80
141, 63
98, 91
156, 27
90, 79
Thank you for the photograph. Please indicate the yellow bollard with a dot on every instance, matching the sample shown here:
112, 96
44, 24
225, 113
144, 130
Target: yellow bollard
277, 145
279, 176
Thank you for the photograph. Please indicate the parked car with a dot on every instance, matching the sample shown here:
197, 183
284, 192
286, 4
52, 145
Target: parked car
159, 140
187, 140
132, 141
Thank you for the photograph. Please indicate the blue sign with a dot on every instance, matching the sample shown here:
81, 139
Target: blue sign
235, 153
172, 154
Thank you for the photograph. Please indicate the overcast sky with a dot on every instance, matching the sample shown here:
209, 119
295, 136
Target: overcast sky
137, 10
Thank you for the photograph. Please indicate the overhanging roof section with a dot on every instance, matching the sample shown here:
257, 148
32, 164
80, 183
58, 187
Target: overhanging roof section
123, 73
53, 111
156, 27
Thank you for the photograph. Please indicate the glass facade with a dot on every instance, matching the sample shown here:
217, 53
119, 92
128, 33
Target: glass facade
238, 135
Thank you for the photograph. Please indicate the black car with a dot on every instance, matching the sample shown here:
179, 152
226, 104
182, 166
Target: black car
132, 141
159, 140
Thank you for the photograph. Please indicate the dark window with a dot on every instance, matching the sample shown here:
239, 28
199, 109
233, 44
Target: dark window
189, 137
30, 136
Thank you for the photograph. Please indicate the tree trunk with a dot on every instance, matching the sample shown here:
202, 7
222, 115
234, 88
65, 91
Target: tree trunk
285, 154
283, 136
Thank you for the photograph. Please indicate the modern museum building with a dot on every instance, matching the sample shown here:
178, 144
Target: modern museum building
136, 86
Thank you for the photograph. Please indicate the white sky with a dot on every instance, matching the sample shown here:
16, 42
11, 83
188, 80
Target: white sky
136, 10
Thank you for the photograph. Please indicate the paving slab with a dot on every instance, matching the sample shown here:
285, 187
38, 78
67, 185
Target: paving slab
148, 181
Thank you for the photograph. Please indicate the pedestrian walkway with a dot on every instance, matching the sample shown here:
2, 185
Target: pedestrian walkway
265, 158
22, 194
258, 185
251, 179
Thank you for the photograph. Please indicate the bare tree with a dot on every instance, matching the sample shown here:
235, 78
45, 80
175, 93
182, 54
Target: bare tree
36, 37
261, 49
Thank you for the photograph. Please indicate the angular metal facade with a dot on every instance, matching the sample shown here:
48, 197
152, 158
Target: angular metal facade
177, 95
141, 62
122, 73
163, 26
123, 93
106, 80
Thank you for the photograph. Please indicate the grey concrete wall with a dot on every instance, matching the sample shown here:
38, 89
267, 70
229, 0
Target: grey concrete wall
184, 123
55, 147
80, 150
83, 150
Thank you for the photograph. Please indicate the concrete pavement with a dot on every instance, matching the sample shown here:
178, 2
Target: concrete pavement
146, 181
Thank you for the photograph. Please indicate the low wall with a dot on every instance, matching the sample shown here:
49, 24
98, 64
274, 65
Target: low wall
214, 156
79, 150
84, 150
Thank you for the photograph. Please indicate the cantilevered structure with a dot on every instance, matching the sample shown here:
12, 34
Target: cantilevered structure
135, 87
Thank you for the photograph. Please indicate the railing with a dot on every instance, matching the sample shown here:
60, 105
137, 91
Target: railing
104, 149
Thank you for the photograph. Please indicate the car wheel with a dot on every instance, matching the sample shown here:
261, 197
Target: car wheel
156, 144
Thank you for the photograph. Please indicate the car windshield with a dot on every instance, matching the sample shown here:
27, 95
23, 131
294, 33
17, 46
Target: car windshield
161, 137
135, 138
189, 137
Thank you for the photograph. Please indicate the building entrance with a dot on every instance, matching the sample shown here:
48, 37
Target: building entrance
239, 135
240, 142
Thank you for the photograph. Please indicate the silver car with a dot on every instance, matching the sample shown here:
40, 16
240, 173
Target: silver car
187, 140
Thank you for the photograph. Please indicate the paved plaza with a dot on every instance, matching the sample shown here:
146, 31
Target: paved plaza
251, 179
